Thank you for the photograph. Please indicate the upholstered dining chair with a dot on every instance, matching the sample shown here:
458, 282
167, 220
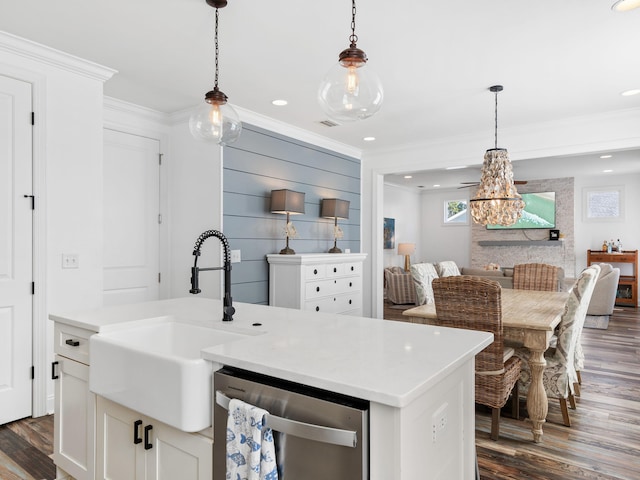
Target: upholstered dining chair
579, 352
535, 276
559, 374
474, 303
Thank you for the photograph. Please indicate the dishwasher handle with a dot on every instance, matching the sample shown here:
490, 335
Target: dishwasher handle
318, 433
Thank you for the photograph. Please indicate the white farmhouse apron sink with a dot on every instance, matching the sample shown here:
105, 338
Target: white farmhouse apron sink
155, 368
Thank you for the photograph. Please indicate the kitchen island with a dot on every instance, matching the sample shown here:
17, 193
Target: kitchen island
417, 379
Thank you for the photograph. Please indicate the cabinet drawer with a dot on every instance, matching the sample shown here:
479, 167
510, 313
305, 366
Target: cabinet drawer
314, 271
72, 342
335, 303
323, 288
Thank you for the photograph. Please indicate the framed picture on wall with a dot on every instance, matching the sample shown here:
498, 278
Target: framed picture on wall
603, 204
456, 212
389, 231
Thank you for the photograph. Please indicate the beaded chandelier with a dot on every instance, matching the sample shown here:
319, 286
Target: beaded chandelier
497, 201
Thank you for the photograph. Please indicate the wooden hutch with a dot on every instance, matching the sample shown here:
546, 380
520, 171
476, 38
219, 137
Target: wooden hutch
627, 293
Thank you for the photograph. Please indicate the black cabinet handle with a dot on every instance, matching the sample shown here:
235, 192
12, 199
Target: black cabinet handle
315, 271
54, 375
317, 309
136, 429
317, 289
147, 445
335, 269
351, 284
71, 342
349, 302
352, 268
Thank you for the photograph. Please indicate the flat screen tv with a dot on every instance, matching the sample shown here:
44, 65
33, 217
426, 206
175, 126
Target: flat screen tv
539, 212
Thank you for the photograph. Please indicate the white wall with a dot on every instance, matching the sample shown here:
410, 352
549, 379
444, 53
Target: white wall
439, 241
195, 205
590, 234
403, 205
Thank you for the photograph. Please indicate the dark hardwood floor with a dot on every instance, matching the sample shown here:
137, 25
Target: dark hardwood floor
25, 447
604, 439
602, 443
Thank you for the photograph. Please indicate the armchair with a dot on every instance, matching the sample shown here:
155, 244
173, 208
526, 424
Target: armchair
604, 293
399, 285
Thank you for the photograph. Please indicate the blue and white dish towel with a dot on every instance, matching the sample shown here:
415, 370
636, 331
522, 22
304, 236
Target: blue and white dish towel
251, 452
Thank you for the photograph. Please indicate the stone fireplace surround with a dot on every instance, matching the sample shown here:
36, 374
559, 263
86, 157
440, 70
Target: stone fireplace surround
510, 247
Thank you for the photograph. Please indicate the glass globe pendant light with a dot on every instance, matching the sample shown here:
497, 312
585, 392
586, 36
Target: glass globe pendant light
216, 120
497, 201
351, 91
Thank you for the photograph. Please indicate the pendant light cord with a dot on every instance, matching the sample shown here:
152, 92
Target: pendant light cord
353, 38
496, 122
218, 50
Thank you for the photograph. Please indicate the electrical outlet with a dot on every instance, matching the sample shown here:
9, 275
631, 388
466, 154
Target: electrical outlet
70, 260
439, 422
235, 256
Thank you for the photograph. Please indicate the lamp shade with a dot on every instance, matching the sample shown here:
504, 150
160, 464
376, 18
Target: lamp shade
406, 248
287, 201
335, 208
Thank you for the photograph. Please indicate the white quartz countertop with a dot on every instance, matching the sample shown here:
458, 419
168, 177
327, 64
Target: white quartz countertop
378, 360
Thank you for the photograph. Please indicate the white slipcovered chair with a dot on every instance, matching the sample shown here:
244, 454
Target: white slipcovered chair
560, 374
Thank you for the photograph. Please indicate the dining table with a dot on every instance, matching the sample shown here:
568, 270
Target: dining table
529, 318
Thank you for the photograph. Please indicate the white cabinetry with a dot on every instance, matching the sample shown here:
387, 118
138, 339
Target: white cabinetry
319, 282
134, 446
75, 406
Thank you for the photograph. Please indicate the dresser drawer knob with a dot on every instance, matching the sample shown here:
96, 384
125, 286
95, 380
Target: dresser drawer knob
335, 269
315, 271
317, 289
351, 284
72, 343
349, 302
352, 268
317, 309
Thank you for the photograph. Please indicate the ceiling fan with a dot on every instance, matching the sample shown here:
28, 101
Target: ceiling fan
475, 184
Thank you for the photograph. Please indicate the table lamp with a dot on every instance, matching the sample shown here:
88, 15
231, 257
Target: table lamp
291, 203
335, 208
406, 249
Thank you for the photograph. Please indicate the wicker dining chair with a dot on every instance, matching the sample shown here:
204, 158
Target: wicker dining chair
535, 276
559, 376
474, 303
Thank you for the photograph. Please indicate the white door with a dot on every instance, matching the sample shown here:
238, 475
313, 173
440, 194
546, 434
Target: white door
131, 218
16, 219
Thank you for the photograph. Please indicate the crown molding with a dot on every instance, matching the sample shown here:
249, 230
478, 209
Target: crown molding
281, 128
41, 53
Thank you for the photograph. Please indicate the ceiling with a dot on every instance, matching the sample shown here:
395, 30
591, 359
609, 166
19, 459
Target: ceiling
556, 59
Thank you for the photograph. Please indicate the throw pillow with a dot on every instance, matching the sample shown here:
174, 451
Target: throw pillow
423, 275
447, 269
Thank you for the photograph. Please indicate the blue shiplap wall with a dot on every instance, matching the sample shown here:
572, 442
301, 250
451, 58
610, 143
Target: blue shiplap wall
261, 161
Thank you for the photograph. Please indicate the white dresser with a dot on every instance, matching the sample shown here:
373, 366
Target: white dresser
319, 282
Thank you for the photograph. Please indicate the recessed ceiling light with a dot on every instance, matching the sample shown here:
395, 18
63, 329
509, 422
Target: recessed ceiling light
279, 103
408, 176
607, 171
606, 156
458, 167
629, 93
436, 185
625, 5
369, 139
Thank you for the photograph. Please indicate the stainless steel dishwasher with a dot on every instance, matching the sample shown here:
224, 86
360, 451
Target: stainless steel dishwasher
318, 434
